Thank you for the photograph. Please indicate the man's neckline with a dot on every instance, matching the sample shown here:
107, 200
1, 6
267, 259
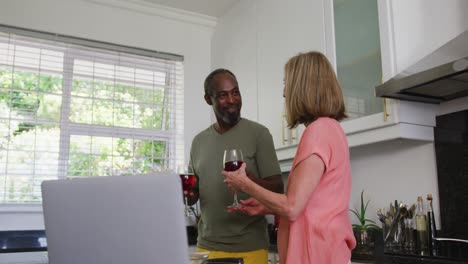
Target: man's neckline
216, 127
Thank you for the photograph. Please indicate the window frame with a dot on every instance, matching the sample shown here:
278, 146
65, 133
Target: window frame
69, 128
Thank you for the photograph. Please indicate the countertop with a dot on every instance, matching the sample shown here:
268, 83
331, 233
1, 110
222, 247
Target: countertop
31, 242
22, 241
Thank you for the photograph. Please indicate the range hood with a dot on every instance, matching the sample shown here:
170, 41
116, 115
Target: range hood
438, 77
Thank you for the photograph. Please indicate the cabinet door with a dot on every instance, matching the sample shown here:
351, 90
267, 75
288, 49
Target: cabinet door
358, 55
284, 29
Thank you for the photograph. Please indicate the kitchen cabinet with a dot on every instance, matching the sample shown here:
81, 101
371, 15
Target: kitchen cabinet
268, 32
357, 58
361, 48
352, 43
401, 120
358, 40
283, 29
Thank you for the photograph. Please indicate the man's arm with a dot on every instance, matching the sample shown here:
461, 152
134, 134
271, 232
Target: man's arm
267, 163
273, 183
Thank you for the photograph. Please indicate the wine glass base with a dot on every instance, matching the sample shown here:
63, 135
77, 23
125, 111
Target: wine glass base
234, 206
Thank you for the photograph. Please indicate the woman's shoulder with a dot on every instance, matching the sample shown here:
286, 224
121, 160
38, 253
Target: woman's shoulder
323, 123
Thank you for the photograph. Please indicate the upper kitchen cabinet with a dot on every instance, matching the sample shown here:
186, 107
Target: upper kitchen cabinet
358, 62
363, 52
361, 38
361, 42
368, 41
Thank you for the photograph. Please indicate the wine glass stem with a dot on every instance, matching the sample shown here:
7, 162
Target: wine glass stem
236, 202
187, 209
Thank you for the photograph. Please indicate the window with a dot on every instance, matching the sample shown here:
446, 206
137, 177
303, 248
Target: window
76, 108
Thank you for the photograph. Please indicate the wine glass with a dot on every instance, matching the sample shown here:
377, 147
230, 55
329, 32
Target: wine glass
232, 161
188, 182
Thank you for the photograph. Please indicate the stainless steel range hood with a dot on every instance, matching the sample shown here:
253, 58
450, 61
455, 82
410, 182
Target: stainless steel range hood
438, 77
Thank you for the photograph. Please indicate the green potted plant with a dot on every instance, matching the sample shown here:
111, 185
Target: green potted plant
361, 230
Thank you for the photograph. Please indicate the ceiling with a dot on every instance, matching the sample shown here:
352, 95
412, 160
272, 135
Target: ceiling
214, 8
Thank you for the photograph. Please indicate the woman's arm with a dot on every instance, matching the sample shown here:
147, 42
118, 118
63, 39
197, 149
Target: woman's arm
303, 180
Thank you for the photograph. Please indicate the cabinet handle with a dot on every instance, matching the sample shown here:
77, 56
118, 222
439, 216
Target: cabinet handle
385, 113
283, 116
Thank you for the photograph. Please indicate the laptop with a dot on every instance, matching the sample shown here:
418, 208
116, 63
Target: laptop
115, 220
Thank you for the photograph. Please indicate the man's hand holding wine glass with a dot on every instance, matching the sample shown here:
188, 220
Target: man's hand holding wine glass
188, 179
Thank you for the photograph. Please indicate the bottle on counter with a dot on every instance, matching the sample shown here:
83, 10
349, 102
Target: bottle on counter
421, 229
432, 227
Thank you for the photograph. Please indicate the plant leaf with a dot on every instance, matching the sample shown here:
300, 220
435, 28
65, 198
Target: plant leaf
363, 210
356, 214
372, 226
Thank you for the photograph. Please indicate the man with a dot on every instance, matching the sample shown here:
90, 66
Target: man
223, 233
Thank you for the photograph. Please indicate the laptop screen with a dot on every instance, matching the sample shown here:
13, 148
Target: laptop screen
118, 220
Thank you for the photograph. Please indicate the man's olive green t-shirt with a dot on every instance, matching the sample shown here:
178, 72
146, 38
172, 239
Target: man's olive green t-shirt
218, 229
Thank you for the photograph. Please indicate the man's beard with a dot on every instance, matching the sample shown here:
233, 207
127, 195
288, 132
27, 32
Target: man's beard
231, 118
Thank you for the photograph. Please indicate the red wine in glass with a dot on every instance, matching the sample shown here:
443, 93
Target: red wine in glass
232, 161
188, 180
232, 165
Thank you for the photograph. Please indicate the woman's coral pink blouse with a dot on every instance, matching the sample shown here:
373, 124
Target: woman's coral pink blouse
323, 233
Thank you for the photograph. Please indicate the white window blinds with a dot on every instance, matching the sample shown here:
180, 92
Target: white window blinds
76, 108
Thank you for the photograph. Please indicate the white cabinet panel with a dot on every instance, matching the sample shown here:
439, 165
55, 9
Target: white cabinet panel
411, 30
283, 30
410, 121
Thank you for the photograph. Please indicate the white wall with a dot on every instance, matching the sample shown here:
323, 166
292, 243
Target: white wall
396, 170
234, 46
127, 24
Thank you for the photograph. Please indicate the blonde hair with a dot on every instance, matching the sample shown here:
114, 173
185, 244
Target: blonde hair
311, 89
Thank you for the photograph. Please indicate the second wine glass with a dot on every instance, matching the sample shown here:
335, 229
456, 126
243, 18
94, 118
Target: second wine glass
188, 183
232, 161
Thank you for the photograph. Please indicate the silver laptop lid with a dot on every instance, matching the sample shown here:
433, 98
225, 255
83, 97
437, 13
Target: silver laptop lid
115, 220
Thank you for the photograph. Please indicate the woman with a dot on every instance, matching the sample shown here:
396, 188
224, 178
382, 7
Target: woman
315, 225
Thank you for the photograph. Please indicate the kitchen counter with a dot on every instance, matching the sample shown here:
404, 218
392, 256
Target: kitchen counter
22, 241
31, 247
406, 259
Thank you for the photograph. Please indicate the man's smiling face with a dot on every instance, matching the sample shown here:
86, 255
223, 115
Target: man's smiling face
226, 99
